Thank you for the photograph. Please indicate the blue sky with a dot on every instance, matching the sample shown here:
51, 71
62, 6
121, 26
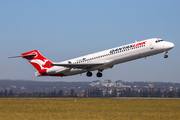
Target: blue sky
62, 30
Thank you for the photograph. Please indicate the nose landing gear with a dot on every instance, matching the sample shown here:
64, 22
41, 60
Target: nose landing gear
165, 56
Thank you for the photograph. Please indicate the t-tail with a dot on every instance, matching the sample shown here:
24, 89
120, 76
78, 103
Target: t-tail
38, 61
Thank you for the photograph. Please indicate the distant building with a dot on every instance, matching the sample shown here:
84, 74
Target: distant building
126, 86
96, 83
151, 85
107, 81
119, 83
171, 88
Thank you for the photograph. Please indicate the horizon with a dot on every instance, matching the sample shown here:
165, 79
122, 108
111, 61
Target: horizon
81, 81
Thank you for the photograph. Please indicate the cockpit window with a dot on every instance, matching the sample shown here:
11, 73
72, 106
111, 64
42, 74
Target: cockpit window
157, 41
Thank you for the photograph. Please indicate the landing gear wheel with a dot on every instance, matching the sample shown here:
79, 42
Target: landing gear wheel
99, 74
165, 56
89, 74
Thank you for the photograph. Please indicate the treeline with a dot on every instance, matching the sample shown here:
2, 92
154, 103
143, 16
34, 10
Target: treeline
132, 93
142, 93
6, 93
149, 93
54, 93
96, 92
93, 93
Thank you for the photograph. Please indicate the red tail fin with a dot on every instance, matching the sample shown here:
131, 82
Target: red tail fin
37, 60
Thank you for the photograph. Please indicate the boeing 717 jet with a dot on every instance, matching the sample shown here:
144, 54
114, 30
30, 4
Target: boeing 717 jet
97, 61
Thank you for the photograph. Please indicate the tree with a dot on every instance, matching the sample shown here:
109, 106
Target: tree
5, 92
152, 93
85, 93
128, 92
178, 93
40, 94
72, 93
54, 93
146, 93
114, 93
1, 93
141, 93
97, 92
49, 93
107, 92
158, 93
60, 93
172, 94
100, 93
165, 94
88, 92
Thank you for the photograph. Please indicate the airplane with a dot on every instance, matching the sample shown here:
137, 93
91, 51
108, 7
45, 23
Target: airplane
97, 61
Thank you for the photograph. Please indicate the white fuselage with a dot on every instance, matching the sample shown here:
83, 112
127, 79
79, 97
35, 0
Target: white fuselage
114, 56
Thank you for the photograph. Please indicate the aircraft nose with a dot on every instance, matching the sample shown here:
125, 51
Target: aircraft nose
168, 45
171, 45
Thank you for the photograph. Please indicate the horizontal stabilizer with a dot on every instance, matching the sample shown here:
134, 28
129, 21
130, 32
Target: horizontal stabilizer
23, 56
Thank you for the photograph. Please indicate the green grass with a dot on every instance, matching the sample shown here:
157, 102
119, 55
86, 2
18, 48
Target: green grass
89, 109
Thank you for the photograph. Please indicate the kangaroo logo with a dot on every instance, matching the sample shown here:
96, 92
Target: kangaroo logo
38, 61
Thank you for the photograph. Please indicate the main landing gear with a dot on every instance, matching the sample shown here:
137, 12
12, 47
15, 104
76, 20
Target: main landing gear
89, 74
165, 56
99, 74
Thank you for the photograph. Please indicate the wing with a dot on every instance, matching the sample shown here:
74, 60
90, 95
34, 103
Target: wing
79, 66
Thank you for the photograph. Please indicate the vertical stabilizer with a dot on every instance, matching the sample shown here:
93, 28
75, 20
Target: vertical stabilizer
37, 60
